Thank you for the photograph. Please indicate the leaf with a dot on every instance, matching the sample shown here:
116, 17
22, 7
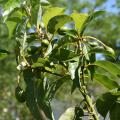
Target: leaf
56, 85
10, 5
4, 32
108, 66
30, 93
62, 54
50, 13
49, 50
80, 20
44, 2
96, 14
57, 22
74, 70
105, 103
68, 114
69, 32
4, 51
115, 112
106, 81
102, 50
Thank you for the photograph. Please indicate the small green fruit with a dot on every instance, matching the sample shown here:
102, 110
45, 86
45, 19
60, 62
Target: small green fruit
20, 94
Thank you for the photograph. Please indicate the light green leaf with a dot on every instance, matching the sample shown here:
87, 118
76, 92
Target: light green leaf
57, 22
106, 81
109, 66
80, 20
51, 12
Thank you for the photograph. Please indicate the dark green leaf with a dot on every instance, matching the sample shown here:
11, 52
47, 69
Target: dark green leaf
105, 103
62, 54
115, 112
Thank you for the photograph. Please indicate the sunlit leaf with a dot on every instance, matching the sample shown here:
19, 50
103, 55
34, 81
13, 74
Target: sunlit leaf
80, 20
109, 66
51, 12
106, 81
57, 22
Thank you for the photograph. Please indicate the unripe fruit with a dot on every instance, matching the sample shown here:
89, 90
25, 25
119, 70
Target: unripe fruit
20, 94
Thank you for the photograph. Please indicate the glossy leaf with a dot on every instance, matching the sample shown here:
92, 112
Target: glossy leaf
50, 13
80, 20
106, 81
57, 22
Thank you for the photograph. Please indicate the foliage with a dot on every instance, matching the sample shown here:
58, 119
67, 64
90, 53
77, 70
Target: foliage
43, 44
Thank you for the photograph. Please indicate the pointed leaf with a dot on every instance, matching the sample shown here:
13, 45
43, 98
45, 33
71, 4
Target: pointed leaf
106, 81
109, 66
80, 20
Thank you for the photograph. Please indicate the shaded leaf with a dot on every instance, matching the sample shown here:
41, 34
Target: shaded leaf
105, 103
62, 54
115, 112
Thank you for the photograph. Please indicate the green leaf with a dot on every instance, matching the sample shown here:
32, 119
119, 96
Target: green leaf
96, 14
57, 22
44, 2
105, 103
62, 54
74, 70
106, 81
30, 93
4, 32
115, 112
80, 20
50, 13
10, 5
35, 12
49, 50
108, 66
102, 50
56, 85
69, 32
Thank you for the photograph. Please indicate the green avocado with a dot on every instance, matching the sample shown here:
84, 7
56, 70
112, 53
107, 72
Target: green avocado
20, 94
